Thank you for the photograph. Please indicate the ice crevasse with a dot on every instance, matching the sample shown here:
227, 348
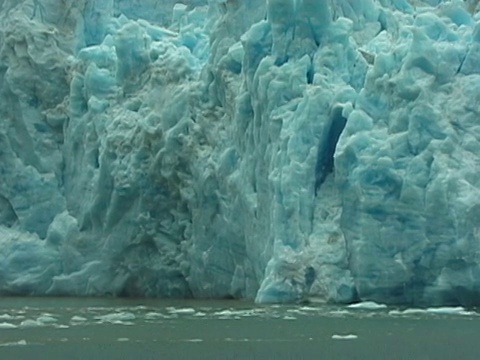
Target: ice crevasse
275, 150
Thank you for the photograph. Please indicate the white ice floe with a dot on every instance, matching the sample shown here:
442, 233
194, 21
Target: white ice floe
181, 311
46, 319
344, 337
22, 342
339, 312
6, 317
458, 310
29, 323
116, 318
78, 319
6, 325
367, 305
449, 311
152, 315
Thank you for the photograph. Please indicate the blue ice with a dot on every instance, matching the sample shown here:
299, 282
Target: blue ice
276, 150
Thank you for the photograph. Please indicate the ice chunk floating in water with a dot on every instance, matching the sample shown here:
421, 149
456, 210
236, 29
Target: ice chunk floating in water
279, 150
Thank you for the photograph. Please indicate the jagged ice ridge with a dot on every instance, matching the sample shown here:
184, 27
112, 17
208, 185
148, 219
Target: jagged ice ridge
279, 150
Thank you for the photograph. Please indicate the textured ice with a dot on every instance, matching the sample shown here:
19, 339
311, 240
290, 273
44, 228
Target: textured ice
280, 150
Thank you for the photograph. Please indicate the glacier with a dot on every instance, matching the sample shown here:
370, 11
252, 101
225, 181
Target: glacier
276, 150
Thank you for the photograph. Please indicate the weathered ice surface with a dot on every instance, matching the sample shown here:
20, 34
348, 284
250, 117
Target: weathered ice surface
280, 150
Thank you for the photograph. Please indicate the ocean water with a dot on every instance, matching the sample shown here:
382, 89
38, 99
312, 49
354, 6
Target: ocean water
77, 328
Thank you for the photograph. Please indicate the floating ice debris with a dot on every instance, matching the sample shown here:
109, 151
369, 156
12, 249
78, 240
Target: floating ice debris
77, 318
181, 311
449, 311
5, 325
46, 319
412, 311
433, 310
156, 315
116, 317
367, 305
339, 312
234, 313
194, 340
22, 342
123, 339
30, 323
309, 308
224, 313
344, 337
296, 311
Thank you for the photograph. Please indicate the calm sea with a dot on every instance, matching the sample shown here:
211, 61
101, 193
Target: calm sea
76, 328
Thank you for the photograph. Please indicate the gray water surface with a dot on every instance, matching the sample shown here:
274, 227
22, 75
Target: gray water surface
73, 328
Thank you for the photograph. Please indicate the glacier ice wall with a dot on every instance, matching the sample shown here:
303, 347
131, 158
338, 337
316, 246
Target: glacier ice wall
279, 150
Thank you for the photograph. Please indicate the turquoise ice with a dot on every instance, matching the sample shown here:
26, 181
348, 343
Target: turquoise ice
278, 150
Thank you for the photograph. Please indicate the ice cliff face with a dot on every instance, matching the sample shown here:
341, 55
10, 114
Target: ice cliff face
277, 150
